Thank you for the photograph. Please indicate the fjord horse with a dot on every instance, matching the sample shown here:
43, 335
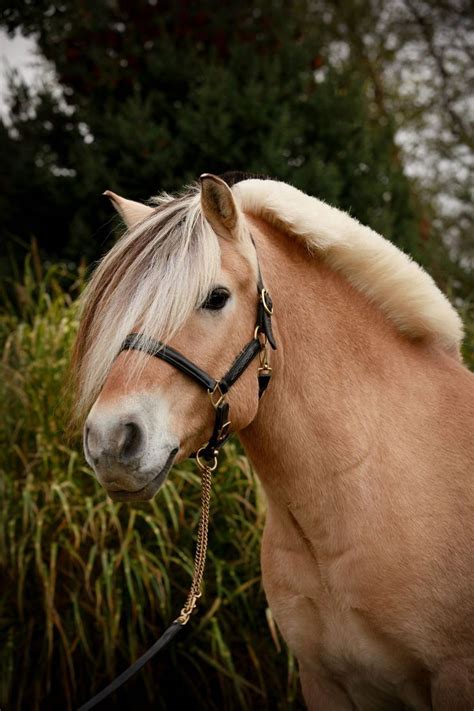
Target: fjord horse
363, 441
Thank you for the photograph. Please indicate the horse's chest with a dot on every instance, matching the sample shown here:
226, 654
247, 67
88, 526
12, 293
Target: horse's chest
324, 633
330, 636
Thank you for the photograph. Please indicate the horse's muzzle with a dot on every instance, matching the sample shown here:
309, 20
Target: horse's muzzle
119, 453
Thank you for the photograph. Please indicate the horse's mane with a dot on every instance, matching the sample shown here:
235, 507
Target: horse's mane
164, 266
151, 279
391, 279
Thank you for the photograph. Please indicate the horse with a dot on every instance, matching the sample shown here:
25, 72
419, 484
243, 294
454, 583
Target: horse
362, 441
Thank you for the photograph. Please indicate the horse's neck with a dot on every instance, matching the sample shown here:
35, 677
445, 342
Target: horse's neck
338, 373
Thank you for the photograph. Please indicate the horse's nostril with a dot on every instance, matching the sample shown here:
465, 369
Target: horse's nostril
106, 443
89, 445
132, 441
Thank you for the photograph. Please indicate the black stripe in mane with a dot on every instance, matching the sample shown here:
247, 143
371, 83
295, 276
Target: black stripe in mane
231, 177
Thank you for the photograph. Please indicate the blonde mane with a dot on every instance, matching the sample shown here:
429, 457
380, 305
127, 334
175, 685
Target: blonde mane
164, 266
391, 279
152, 278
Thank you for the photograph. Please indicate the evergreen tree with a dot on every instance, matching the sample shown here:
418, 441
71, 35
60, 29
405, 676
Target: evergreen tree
152, 97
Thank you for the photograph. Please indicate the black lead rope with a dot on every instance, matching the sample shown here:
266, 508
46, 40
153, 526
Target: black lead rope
217, 390
165, 638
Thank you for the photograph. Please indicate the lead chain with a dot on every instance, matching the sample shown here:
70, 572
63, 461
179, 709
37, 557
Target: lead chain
201, 544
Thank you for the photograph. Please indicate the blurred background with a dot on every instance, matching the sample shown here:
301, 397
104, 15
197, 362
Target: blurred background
363, 103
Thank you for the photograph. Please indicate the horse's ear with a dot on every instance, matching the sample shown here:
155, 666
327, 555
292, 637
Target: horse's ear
218, 204
130, 211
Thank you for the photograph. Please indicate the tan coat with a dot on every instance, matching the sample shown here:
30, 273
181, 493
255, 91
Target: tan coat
364, 446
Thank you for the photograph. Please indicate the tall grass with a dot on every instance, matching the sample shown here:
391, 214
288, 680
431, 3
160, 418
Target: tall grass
85, 584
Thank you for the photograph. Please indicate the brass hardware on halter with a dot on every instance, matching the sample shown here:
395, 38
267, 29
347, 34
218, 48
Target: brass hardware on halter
261, 336
223, 431
264, 365
266, 301
220, 395
205, 465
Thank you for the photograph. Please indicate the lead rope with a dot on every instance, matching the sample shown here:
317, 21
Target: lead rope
194, 594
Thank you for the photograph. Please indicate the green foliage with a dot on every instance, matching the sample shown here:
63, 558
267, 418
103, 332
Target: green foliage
88, 584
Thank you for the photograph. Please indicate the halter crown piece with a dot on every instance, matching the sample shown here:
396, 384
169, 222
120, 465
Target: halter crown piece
206, 456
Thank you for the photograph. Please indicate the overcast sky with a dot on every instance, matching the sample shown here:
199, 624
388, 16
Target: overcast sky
17, 53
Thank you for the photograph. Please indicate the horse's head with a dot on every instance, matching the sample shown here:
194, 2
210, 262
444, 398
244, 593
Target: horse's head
184, 273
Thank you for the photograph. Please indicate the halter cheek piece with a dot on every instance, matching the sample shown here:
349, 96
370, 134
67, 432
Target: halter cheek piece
218, 389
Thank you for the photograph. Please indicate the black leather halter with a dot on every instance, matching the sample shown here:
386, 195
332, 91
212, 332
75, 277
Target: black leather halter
218, 389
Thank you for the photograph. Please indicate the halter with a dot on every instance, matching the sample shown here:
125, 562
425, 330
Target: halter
218, 389
206, 456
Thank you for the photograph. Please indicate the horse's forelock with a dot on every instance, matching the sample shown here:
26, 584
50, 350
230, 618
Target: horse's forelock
153, 276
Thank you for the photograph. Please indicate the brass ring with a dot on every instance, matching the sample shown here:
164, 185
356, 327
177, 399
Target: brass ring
204, 465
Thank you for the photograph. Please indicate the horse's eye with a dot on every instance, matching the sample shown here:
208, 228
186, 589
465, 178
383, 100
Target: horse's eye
217, 299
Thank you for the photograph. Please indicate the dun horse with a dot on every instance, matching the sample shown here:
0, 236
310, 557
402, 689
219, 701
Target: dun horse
363, 440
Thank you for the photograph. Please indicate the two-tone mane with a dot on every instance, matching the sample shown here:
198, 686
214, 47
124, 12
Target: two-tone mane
391, 279
163, 267
154, 276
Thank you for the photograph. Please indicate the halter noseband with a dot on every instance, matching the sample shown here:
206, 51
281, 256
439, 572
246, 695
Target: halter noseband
218, 389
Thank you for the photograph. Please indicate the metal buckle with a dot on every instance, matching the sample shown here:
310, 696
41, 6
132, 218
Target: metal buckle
263, 298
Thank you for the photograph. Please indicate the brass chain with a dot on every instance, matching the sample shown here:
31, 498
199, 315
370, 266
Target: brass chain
206, 468
201, 543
